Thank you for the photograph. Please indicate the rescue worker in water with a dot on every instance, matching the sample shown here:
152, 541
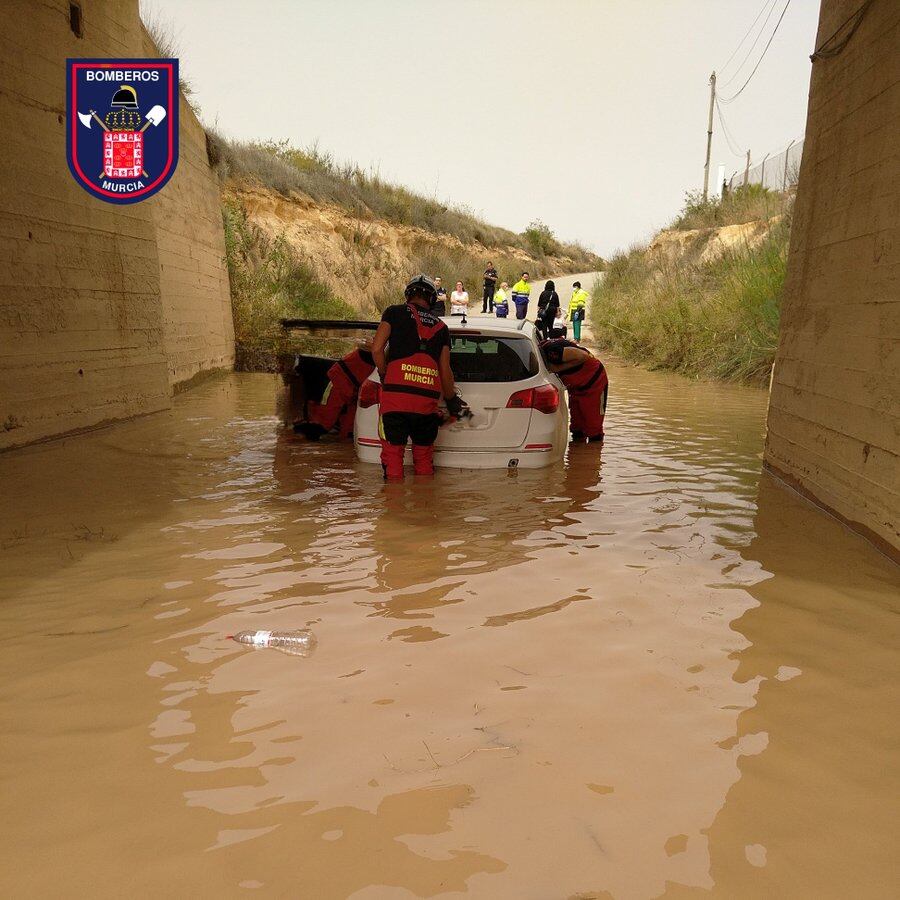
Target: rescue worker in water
337, 409
587, 383
412, 353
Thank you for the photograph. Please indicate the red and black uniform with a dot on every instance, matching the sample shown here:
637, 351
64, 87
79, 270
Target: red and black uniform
588, 387
338, 406
411, 388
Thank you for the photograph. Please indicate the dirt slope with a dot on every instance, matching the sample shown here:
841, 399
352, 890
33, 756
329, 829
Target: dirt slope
365, 261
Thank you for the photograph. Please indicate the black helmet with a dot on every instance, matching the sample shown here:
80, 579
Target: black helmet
423, 286
125, 98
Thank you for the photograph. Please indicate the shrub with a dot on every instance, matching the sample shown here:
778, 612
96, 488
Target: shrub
540, 239
717, 319
268, 282
743, 204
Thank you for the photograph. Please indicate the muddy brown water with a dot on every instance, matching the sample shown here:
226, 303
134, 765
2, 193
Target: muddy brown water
648, 672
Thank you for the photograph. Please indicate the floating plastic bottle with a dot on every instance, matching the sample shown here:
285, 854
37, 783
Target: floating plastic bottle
296, 643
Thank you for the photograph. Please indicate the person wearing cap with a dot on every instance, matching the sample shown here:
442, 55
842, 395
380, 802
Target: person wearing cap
520, 295
577, 309
411, 350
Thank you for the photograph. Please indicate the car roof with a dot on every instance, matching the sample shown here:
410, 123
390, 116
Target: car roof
485, 325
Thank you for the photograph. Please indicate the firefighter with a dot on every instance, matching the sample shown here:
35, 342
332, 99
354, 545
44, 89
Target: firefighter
412, 352
587, 383
337, 409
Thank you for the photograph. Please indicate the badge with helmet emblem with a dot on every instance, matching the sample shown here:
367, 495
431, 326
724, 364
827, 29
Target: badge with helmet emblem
122, 126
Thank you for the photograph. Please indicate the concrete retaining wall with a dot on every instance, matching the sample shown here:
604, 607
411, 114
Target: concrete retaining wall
834, 415
104, 309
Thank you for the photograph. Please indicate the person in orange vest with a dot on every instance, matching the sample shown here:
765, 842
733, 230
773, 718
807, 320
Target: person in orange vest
586, 382
412, 353
337, 410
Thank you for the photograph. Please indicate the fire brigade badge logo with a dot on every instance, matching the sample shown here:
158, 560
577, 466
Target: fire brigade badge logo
122, 126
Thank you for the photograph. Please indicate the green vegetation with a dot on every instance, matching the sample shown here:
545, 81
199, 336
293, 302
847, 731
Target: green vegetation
541, 240
284, 168
711, 319
268, 282
752, 203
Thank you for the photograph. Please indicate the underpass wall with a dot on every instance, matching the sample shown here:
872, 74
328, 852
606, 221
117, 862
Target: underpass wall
834, 415
198, 332
104, 309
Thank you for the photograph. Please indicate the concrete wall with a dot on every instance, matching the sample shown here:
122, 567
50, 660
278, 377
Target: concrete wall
198, 333
834, 431
103, 308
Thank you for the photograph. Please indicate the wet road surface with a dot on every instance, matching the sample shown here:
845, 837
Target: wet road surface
648, 672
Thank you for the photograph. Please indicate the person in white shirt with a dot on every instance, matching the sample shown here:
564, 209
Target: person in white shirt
459, 301
559, 328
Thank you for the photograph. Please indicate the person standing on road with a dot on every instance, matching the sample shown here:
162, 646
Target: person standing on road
577, 309
459, 301
587, 384
548, 304
439, 307
520, 295
411, 350
490, 286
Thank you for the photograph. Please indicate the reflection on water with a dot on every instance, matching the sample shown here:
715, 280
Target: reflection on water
648, 672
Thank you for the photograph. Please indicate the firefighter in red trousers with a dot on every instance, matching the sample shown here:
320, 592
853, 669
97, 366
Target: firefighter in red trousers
587, 384
338, 406
412, 352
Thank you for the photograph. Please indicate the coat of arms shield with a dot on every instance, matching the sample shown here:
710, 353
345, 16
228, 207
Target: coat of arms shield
122, 126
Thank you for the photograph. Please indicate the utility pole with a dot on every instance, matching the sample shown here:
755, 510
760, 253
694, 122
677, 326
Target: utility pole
712, 103
747, 170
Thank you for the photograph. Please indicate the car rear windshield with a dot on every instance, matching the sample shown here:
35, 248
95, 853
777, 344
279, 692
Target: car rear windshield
482, 357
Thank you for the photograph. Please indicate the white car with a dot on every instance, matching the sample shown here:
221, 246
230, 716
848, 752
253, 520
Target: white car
519, 412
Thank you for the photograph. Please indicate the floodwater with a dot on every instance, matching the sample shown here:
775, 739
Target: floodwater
649, 672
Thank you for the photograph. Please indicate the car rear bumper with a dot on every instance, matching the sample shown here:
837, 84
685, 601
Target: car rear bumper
529, 456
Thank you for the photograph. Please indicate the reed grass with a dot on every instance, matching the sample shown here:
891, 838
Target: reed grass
717, 319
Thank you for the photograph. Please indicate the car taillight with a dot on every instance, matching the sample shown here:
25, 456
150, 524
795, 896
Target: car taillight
369, 394
544, 398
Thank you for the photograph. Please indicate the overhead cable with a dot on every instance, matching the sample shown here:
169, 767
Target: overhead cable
752, 47
728, 136
761, 58
746, 35
823, 51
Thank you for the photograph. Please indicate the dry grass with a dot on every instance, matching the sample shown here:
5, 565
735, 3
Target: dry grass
284, 168
716, 319
752, 203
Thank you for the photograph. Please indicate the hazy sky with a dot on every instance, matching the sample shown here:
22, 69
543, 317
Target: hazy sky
587, 114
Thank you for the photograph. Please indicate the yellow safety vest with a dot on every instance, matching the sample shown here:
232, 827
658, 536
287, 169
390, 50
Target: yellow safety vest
521, 287
500, 296
578, 301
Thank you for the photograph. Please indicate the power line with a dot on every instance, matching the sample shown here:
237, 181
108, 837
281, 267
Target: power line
749, 53
746, 35
823, 51
761, 58
728, 136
